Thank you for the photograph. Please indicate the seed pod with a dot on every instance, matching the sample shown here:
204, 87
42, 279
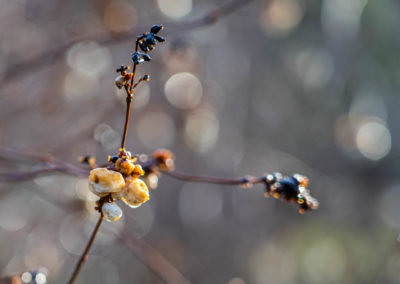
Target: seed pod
111, 212
135, 192
103, 181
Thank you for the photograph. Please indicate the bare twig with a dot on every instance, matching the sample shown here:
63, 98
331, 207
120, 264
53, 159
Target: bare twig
215, 180
68, 169
84, 256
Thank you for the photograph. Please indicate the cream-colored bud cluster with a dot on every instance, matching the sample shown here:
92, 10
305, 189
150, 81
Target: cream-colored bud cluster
119, 181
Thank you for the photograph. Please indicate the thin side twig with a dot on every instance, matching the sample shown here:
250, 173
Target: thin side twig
215, 180
84, 256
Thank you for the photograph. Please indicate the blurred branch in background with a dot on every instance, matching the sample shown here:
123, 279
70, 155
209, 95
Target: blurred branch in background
49, 56
152, 258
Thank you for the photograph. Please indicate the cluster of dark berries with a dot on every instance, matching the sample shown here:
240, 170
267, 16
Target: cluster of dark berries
291, 189
147, 42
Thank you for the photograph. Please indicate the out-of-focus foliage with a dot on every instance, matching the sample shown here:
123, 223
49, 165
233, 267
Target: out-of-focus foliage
280, 85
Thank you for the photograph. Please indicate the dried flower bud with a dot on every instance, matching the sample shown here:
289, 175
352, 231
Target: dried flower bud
146, 57
111, 212
138, 171
146, 77
165, 159
125, 167
103, 181
156, 28
143, 46
139, 57
122, 69
135, 192
120, 81
113, 159
159, 38
150, 39
292, 189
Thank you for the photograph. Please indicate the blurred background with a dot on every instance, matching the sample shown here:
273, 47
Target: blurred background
296, 86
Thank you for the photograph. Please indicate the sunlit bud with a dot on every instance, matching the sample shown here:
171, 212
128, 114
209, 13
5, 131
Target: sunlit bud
135, 192
125, 167
138, 171
111, 212
120, 81
103, 181
165, 159
303, 180
302, 210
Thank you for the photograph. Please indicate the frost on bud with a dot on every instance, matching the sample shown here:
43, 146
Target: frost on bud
135, 192
103, 181
111, 212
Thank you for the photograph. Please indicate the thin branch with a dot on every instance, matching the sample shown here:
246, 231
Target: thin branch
49, 56
127, 117
12, 154
215, 180
19, 176
84, 256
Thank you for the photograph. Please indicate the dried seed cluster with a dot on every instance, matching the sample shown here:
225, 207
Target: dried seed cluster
119, 181
292, 189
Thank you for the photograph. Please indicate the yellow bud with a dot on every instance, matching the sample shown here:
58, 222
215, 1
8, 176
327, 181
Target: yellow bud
125, 167
138, 171
103, 181
135, 192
